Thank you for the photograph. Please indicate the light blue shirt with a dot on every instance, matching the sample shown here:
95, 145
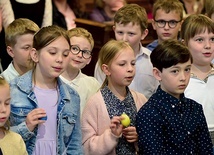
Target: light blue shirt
152, 45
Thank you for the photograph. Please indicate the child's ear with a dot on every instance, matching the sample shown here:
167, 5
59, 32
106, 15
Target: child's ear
88, 61
10, 51
144, 34
180, 25
153, 24
34, 55
105, 69
157, 74
113, 27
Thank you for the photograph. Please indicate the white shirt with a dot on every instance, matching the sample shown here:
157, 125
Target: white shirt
10, 73
86, 86
203, 93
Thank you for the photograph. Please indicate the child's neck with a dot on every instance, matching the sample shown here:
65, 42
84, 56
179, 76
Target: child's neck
201, 71
70, 73
43, 82
137, 50
2, 134
120, 92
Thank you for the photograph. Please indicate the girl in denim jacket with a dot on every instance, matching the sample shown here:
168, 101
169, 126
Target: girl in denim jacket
44, 110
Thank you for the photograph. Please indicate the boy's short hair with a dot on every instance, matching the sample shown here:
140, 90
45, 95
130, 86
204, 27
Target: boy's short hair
168, 6
209, 7
81, 32
195, 24
132, 13
169, 53
19, 27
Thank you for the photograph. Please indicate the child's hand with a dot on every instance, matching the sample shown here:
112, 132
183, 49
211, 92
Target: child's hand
32, 118
130, 134
115, 126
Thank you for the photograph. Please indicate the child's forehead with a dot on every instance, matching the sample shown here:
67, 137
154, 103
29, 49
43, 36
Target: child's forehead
129, 24
160, 13
181, 65
80, 40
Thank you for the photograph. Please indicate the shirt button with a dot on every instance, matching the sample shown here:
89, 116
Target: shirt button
173, 106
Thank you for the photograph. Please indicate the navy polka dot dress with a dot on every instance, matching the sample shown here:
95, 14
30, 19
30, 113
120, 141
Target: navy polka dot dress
166, 125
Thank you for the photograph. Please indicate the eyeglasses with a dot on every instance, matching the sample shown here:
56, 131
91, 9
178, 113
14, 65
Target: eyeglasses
171, 23
85, 53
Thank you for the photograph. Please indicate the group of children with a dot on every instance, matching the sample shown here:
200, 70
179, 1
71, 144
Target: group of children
166, 91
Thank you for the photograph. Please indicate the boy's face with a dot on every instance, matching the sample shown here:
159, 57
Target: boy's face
130, 33
20, 52
201, 47
174, 79
166, 32
77, 60
4, 104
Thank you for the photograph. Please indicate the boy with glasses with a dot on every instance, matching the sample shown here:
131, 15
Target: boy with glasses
82, 44
167, 20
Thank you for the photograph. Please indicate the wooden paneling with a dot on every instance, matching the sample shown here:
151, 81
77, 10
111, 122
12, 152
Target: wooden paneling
87, 5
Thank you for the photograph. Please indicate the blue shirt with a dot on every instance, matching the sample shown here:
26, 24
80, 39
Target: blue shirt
152, 45
23, 100
167, 125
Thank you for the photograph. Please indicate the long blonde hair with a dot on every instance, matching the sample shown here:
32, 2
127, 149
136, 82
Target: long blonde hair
108, 52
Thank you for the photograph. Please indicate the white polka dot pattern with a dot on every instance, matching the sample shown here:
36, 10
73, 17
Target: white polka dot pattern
166, 125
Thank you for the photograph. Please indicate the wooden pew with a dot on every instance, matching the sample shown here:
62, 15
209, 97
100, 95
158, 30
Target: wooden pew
103, 32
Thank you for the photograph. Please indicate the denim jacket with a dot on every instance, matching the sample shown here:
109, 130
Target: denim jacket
23, 100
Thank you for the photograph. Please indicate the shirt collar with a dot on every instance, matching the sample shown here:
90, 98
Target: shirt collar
167, 98
143, 52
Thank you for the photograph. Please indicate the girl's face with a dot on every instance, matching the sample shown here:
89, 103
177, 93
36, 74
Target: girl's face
201, 47
121, 71
53, 59
4, 104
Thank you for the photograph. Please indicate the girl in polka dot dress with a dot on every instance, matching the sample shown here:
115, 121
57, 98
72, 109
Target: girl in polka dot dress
101, 128
170, 123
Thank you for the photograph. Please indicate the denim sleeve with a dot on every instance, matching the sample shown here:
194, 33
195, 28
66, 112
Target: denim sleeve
75, 146
23, 131
70, 126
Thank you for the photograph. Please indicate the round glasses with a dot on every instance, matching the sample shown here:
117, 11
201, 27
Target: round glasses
85, 53
171, 23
